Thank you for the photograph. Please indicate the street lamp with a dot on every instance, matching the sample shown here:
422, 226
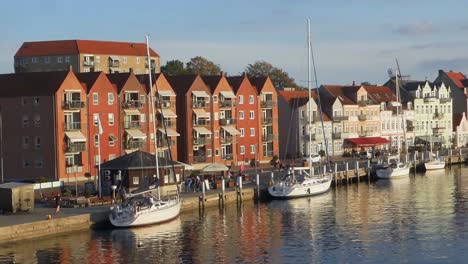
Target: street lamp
113, 193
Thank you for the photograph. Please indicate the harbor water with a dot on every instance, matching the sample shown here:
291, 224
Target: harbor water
418, 219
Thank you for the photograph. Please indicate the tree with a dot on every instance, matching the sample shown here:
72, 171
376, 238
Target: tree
200, 65
279, 77
173, 67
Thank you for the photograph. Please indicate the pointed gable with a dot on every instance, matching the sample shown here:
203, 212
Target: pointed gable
457, 78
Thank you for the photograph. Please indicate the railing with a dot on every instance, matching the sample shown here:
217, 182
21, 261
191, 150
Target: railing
429, 99
164, 104
269, 137
227, 157
72, 126
199, 141
227, 103
339, 118
268, 153
445, 100
438, 115
134, 144
227, 140
199, 158
364, 102
365, 133
437, 130
362, 117
114, 63
227, 121
200, 104
73, 169
73, 104
132, 104
76, 147
336, 135
267, 120
88, 63
201, 122
268, 103
165, 143
168, 124
312, 137
132, 124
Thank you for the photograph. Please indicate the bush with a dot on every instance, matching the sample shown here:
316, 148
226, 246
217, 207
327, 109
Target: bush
67, 192
87, 193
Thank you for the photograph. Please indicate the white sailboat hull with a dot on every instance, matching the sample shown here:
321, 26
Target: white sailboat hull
434, 165
159, 212
390, 172
308, 187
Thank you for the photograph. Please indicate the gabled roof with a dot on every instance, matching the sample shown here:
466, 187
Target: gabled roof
258, 82
137, 160
144, 80
456, 77
31, 83
88, 78
456, 120
235, 82
212, 81
77, 46
379, 94
118, 79
181, 83
293, 98
338, 91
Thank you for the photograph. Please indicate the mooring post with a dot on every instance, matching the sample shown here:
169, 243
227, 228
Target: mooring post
357, 170
450, 157
203, 194
459, 157
336, 172
223, 191
346, 172
239, 190
257, 181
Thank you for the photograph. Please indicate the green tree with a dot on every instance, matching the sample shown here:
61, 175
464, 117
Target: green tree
203, 66
279, 77
173, 67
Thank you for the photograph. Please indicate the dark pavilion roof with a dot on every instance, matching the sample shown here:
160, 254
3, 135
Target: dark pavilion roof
181, 83
137, 160
31, 83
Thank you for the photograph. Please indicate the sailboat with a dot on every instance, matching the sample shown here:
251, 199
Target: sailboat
292, 186
394, 167
142, 207
433, 164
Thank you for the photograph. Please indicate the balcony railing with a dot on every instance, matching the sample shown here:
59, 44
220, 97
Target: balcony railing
114, 64
164, 104
201, 122
312, 137
168, 124
227, 121
445, 100
132, 124
362, 117
73, 169
438, 130
72, 126
199, 141
134, 144
267, 120
339, 118
365, 133
227, 140
268, 104
336, 135
227, 103
165, 143
438, 115
88, 63
132, 104
76, 147
364, 102
268, 153
227, 157
429, 99
199, 158
269, 137
200, 104
73, 104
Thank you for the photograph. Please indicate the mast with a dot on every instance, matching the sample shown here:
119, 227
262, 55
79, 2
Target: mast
309, 87
403, 123
318, 96
152, 110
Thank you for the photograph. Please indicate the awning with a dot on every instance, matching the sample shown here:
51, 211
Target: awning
75, 136
186, 166
201, 113
166, 93
131, 112
201, 94
367, 141
170, 132
114, 58
135, 133
202, 130
227, 94
215, 167
167, 113
231, 130
429, 139
128, 151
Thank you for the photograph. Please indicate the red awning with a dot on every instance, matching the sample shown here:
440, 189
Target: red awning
368, 141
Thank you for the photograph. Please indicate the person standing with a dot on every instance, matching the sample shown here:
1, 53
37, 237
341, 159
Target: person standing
57, 203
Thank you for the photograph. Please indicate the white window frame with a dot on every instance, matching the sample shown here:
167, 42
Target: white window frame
242, 132
111, 140
252, 114
110, 98
241, 115
67, 58
96, 140
242, 150
209, 153
251, 99
111, 121
241, 99
59, 59
252, 149
95, 99
252, 132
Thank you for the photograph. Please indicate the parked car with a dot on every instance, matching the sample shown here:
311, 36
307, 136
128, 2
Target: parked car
313, 158
365, 155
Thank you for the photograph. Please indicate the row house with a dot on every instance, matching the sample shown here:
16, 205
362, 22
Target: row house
459, 88
85, 56
460, 130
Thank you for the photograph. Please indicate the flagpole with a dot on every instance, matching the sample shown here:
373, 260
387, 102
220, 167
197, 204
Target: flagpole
100, 131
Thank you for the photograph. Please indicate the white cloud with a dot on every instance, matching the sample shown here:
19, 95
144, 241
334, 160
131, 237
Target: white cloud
416, 29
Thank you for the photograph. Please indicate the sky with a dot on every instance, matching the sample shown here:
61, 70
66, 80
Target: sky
353, 40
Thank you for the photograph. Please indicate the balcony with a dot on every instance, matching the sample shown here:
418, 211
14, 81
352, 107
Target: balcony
168, 124
76, 104
339, 118
164, 104
410, 128
227, 121
114, 64
166, 143
364, 102
336, 135
312, 137
227, 157
88, 63
227, 104
132, 124
133, 144
199, 141
268, 104
269, 137
201, 122
438, 115
362, 117
72, 126
76, 147
73, 169
429, 99
200, 104
132, 104
268, 153
365, 133
199, 158
438, 130
227, 140
267, 120
445, 100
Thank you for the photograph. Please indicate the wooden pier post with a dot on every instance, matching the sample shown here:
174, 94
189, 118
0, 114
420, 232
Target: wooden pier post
203, 196
239, 190
357, 170
222, 194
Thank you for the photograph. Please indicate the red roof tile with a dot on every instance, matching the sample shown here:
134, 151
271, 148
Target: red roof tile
341, 92
68, 47
456, 77
380, 94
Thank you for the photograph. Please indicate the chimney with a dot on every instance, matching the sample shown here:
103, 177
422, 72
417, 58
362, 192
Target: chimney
354, 83
222, 73
244, 74
70, 68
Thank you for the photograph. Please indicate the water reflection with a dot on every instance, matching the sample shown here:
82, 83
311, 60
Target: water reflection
421, 218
